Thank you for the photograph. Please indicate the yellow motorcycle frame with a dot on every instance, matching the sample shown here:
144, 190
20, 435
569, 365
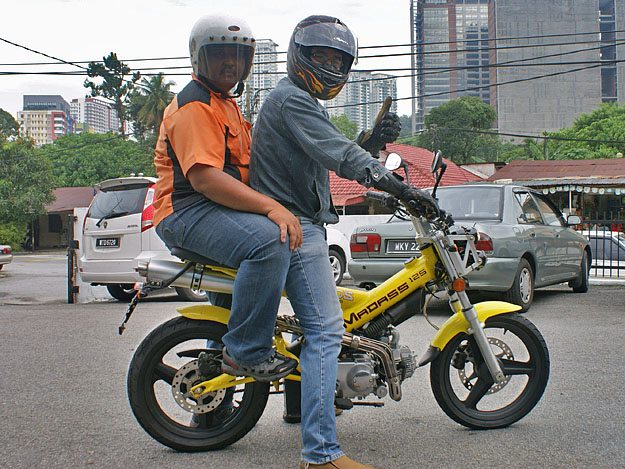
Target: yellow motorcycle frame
442, 264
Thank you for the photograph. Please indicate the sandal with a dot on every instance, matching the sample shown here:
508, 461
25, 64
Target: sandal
276, 367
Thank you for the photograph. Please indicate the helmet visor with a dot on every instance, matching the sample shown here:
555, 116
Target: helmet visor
324, 34
225, 63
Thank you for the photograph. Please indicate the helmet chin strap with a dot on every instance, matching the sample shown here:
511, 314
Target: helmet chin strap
239, 90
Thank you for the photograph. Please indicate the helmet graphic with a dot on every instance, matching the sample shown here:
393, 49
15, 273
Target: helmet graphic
220, 30
320, 31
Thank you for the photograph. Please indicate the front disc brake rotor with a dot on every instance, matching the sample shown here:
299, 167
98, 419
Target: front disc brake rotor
504, 353
187, 377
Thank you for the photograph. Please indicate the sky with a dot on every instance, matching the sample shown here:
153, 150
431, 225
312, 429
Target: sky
87, 30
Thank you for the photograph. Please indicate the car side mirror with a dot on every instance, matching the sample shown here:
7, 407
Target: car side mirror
573, 220
522, 219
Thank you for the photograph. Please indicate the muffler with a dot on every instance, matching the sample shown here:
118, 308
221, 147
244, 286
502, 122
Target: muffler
161, 274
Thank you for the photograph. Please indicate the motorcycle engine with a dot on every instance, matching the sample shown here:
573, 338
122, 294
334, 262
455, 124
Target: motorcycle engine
356, 377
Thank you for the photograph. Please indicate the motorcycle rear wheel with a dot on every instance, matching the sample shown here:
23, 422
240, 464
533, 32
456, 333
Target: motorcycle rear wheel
151, 376
464, 388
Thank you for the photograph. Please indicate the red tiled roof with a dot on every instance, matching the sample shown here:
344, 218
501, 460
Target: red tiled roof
419, 161
68, 198
526, 170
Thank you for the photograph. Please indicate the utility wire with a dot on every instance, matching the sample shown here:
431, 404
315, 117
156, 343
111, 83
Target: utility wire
544, 137
499, 39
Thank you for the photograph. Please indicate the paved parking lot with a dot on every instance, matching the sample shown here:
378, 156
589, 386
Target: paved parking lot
63, 400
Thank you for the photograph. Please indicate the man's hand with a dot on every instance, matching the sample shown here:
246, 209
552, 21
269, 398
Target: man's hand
288, 223
385, 131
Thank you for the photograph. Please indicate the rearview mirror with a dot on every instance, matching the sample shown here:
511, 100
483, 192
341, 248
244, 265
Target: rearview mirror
573, 220
437, 162
393, 161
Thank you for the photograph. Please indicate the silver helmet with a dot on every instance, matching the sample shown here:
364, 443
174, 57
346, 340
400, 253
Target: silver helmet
219, 30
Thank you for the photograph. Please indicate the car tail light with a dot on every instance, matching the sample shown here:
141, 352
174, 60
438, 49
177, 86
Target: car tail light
484, 243
6, 250
365, 242
147, 216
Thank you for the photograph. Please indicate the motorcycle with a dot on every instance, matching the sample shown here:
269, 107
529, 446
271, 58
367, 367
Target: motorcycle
489, 366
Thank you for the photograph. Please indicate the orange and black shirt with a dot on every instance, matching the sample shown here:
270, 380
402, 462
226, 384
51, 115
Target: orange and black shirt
199, 127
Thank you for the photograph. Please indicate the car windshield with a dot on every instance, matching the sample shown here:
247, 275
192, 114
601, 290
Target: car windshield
118, 200
471, 202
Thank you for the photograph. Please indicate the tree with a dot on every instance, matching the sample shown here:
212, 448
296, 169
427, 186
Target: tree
86, 159
345, 126
451, 128
8, 126
149, 101
26, 182
114, 85
606, 123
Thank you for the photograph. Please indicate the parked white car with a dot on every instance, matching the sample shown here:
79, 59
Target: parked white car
338, 250
6, 255
118, 233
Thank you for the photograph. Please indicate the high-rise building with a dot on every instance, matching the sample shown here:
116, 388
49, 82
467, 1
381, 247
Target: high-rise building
94, 115
44, 118
540, 64
263, 78
362, 96
450, 52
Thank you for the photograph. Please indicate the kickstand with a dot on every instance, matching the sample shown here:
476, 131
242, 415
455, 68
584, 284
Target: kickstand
131, 307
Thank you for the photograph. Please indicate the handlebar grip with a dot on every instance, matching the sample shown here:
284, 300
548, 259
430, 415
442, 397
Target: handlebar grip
379, 196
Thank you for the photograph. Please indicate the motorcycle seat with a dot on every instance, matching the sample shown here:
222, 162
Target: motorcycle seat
190, 256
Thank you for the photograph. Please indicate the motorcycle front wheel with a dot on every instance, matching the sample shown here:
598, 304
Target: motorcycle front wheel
170, 360
462, 384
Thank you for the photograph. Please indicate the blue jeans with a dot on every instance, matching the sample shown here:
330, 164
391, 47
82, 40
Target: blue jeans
312, 292
251, 244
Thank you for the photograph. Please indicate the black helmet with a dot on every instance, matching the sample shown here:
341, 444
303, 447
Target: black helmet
320, 31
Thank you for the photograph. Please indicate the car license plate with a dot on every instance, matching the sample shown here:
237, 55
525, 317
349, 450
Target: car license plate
107, 242
400, 246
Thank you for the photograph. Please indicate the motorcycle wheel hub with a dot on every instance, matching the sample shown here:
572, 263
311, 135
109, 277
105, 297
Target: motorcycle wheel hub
187, 377
504, 352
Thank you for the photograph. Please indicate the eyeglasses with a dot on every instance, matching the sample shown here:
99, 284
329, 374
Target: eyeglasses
335, 62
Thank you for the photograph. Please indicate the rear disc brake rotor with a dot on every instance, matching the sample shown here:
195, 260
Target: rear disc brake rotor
187, 377
504, 352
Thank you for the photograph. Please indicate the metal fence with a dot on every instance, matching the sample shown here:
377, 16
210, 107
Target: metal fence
607, 243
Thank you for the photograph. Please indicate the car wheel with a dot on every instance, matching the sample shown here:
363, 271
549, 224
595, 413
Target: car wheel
337, 261
522, 291
580, 284
188, 294
121, 291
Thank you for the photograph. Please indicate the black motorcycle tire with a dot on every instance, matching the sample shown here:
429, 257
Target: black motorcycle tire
148, 362
535, 368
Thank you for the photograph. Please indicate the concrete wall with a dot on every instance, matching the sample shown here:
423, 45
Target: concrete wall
554, 102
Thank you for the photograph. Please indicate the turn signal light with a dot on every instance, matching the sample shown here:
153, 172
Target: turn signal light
459, 285
365, 242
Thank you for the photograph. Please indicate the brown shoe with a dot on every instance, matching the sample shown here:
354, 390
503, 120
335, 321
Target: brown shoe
341, 463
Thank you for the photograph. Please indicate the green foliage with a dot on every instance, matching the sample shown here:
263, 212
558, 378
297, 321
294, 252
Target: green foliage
86, 159
406, 126
461, 146
147, 103
605, 123
114, 84
8, 126
345, 126
25, 182
13, 234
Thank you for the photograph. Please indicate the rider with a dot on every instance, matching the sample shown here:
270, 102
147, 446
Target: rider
293, 146
204, 204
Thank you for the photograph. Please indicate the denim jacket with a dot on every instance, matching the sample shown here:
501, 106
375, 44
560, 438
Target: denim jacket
294, 144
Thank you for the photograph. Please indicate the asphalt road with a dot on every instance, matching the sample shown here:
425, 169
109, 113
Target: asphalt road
63, 400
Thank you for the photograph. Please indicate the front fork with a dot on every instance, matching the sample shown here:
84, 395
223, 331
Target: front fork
459, 301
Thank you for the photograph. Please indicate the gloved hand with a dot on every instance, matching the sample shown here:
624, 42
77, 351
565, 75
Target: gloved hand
414, 198
385, 131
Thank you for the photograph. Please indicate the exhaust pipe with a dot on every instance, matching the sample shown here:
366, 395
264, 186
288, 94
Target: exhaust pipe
170, 274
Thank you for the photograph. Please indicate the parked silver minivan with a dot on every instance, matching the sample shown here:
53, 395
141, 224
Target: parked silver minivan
118, 233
